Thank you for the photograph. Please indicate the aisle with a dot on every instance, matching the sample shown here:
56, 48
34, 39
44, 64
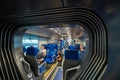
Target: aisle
59, 74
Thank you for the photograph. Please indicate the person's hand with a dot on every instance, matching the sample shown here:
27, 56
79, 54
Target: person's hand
59, 58
39, 61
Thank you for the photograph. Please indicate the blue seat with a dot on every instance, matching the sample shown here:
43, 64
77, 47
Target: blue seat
51, 54
71, 47
77, 46
56, 49
32, 51
72, 55
62, 44
31, 58
50, 58
71, 62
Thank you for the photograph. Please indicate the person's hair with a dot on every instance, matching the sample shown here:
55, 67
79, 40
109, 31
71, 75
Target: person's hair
43, 45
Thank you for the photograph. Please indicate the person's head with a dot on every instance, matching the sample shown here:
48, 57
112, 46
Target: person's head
42, 47
81, 47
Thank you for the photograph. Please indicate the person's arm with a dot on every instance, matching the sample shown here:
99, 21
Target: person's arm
45, 52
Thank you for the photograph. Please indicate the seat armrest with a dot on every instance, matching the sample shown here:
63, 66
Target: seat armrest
53, 58
42, 66
70, 69
26, 67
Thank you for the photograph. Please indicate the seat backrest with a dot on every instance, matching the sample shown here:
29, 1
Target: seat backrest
62, 44
72, 59
31, 54
56, 46
51, 46
32, 51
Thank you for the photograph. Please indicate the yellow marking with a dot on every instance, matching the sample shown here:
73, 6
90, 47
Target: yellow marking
48, 71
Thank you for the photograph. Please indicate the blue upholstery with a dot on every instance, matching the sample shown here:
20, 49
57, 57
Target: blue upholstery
50, 58
42, 68
51, 46
72, 54
72, 60
56, 46
56, 49
72, 47
32, 51
52, 53
77, 46
62, 44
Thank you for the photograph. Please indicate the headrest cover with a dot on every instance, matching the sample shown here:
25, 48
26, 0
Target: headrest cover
32, 51
77, 46
72, 47
72, 55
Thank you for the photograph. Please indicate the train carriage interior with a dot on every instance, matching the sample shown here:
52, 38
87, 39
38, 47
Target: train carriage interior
66, 50
59, 40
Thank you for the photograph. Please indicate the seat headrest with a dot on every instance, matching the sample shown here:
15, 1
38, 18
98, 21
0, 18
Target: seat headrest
77, 46
32, 51
72, 55
46, 46
72, 47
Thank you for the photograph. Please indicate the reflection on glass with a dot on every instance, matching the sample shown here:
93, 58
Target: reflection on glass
62, 45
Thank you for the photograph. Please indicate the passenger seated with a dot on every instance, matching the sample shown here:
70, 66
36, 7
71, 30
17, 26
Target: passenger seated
82, 48
31, 58
42, 54
82, 51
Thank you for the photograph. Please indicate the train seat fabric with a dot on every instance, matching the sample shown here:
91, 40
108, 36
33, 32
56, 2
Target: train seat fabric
32, 51
56, 50
62, 44
31, 58
52, 53
41, 69
77, 46
72, 60
51, 46
72, 47
72, 54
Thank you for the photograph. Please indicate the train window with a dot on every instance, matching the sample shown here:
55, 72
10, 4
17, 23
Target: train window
61, 47
61, 43
29, 39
